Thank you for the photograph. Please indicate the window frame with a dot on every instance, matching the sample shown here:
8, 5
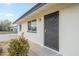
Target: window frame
31, 30
29, 24
20, 27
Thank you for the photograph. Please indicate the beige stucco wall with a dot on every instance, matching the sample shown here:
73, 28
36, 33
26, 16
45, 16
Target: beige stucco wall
68, 27
37, 37
69, 31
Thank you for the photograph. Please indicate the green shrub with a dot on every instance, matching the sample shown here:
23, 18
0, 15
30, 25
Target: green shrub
18, 47
1, 51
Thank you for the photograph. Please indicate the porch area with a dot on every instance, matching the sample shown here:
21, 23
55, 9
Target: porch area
37, 50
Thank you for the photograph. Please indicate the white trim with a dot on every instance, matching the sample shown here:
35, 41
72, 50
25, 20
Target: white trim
44, 38
52, 50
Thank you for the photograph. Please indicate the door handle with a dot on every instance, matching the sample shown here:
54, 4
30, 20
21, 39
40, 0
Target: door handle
45, 30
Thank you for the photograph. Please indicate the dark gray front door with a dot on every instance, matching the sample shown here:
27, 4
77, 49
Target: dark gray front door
52, 30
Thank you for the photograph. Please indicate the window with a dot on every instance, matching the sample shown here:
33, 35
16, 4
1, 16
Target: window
20, 27
32, 26
29, 25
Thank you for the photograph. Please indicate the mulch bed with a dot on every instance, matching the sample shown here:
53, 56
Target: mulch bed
4, 46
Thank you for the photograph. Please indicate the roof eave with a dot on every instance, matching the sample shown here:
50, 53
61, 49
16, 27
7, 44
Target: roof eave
37, 6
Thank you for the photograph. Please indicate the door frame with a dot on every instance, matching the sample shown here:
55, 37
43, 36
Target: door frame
58, 32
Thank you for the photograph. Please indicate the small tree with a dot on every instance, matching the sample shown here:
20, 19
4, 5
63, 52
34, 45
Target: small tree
18, 47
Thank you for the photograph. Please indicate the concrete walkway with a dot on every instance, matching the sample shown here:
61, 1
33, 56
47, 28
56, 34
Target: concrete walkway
37, 50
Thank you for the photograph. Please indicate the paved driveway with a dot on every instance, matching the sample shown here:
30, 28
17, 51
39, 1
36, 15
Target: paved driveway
4, 36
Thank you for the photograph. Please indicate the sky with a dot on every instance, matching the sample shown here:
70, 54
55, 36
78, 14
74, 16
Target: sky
12, 11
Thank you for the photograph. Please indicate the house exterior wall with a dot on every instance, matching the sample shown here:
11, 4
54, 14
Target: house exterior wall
69, 31
68, 28
37, 37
